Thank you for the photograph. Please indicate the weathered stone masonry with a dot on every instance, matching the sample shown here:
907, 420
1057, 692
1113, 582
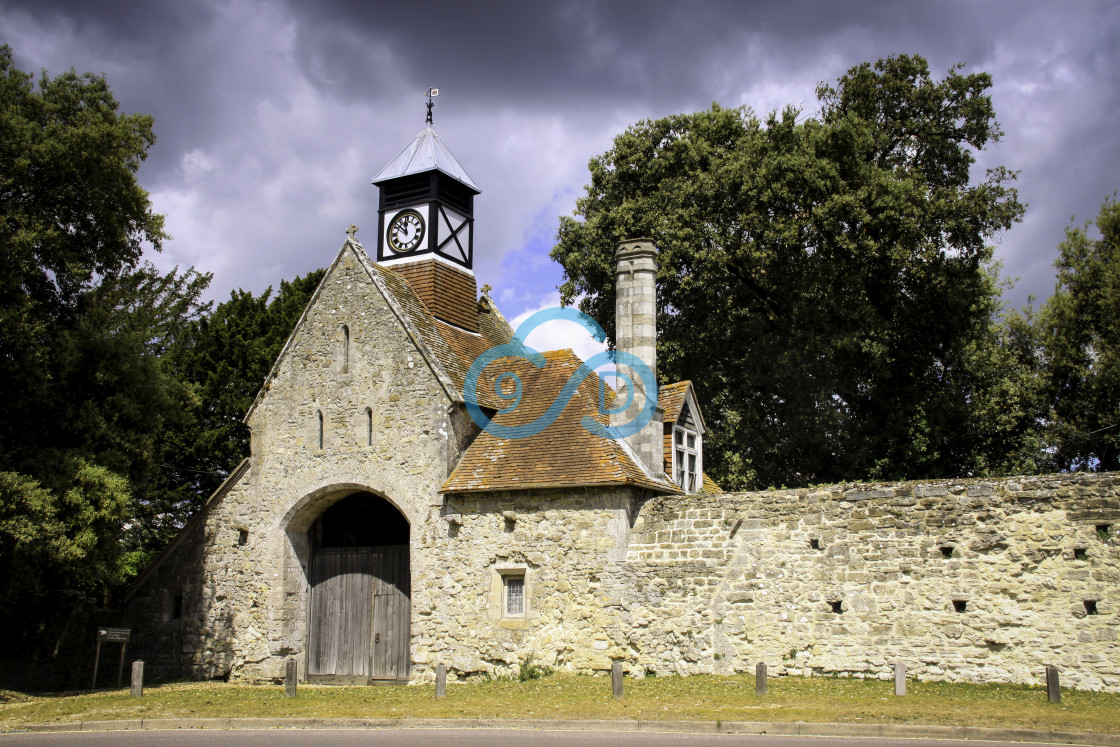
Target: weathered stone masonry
716, 583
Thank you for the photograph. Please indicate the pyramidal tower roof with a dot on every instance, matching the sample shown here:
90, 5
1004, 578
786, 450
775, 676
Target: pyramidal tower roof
426, 152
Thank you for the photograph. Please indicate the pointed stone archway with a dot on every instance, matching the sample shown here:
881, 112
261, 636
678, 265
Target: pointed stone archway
358, 608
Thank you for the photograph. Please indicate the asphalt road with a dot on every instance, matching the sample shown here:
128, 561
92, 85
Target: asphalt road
457, 737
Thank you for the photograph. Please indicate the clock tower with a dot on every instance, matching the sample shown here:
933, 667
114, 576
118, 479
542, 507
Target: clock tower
426, 206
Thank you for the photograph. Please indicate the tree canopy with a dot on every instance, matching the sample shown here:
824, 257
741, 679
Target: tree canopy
1079, 335
83, 325
824, 281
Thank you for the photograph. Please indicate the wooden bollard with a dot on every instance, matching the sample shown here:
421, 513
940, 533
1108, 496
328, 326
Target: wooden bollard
290, 679
616, 679
760, 678
899, 678
1053, 690
441, 680
137, 678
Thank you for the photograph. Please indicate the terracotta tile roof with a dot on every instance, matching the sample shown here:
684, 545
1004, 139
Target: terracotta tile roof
453, 348
671, 398
563, 454
449, 293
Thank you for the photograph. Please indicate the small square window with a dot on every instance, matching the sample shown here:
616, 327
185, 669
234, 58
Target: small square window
1091, 607
815, 544
1080, 553
960, 605
947, 552
513, 593
837, 606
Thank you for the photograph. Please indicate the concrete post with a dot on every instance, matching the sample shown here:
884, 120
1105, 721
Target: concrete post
441, 680
636, 333
899, 678
137, 678
616, 679
760, 678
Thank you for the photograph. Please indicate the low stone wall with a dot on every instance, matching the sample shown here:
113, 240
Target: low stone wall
977, 580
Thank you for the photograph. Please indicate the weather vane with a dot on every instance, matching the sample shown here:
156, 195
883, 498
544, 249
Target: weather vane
431, 92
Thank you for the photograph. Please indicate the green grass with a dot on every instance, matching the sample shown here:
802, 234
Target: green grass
708, 698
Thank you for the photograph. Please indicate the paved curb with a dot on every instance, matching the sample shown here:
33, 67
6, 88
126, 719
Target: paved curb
791, 728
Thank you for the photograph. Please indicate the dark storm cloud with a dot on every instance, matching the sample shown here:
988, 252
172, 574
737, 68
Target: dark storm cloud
272, 116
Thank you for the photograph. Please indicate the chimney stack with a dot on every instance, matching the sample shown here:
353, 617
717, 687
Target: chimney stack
636, 333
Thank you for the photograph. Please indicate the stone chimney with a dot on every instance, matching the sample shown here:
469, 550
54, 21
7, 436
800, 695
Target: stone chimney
636, 333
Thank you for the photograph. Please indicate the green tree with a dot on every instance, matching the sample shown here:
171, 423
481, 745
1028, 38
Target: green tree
70, 210
83, 325
1079, 327
821, 279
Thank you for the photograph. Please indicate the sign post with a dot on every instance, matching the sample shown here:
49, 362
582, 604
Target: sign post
111, 635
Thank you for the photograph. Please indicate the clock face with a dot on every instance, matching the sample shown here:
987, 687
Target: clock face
405, 231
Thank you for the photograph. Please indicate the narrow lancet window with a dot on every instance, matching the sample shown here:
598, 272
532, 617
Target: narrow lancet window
320, 413
345, 349
369, 427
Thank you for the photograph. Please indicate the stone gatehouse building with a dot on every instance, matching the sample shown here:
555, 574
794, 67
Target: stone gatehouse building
377, 529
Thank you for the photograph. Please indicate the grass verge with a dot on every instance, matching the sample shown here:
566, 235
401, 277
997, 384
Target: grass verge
704, 698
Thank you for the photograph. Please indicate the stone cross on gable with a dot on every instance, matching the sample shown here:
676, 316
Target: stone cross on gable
486, 289
352, 231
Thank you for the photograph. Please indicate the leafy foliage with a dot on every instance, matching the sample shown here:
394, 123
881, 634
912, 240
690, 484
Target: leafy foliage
823, 281
528, 669
82, 327
1079, 330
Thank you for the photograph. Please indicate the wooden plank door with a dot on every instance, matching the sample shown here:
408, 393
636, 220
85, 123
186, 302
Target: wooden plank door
392, 611
339, 622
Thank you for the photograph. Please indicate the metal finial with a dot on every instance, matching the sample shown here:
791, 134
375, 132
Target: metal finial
431, 92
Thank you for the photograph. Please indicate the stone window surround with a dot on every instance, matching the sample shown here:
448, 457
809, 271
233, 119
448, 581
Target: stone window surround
499, 574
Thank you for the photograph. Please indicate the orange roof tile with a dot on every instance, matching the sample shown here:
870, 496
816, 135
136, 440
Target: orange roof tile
454, 348
562, 454
671, 398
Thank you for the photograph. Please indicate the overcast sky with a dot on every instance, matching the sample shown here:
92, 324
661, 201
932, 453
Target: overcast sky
272, 117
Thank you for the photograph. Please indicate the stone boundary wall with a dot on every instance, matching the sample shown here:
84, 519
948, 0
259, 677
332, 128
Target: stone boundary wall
974, 580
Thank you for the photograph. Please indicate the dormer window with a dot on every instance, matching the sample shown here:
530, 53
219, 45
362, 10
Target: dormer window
688, 468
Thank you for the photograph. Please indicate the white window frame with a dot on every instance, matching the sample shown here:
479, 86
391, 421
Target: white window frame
681, 452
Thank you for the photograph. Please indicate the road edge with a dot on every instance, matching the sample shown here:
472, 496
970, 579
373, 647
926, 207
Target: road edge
791, 728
